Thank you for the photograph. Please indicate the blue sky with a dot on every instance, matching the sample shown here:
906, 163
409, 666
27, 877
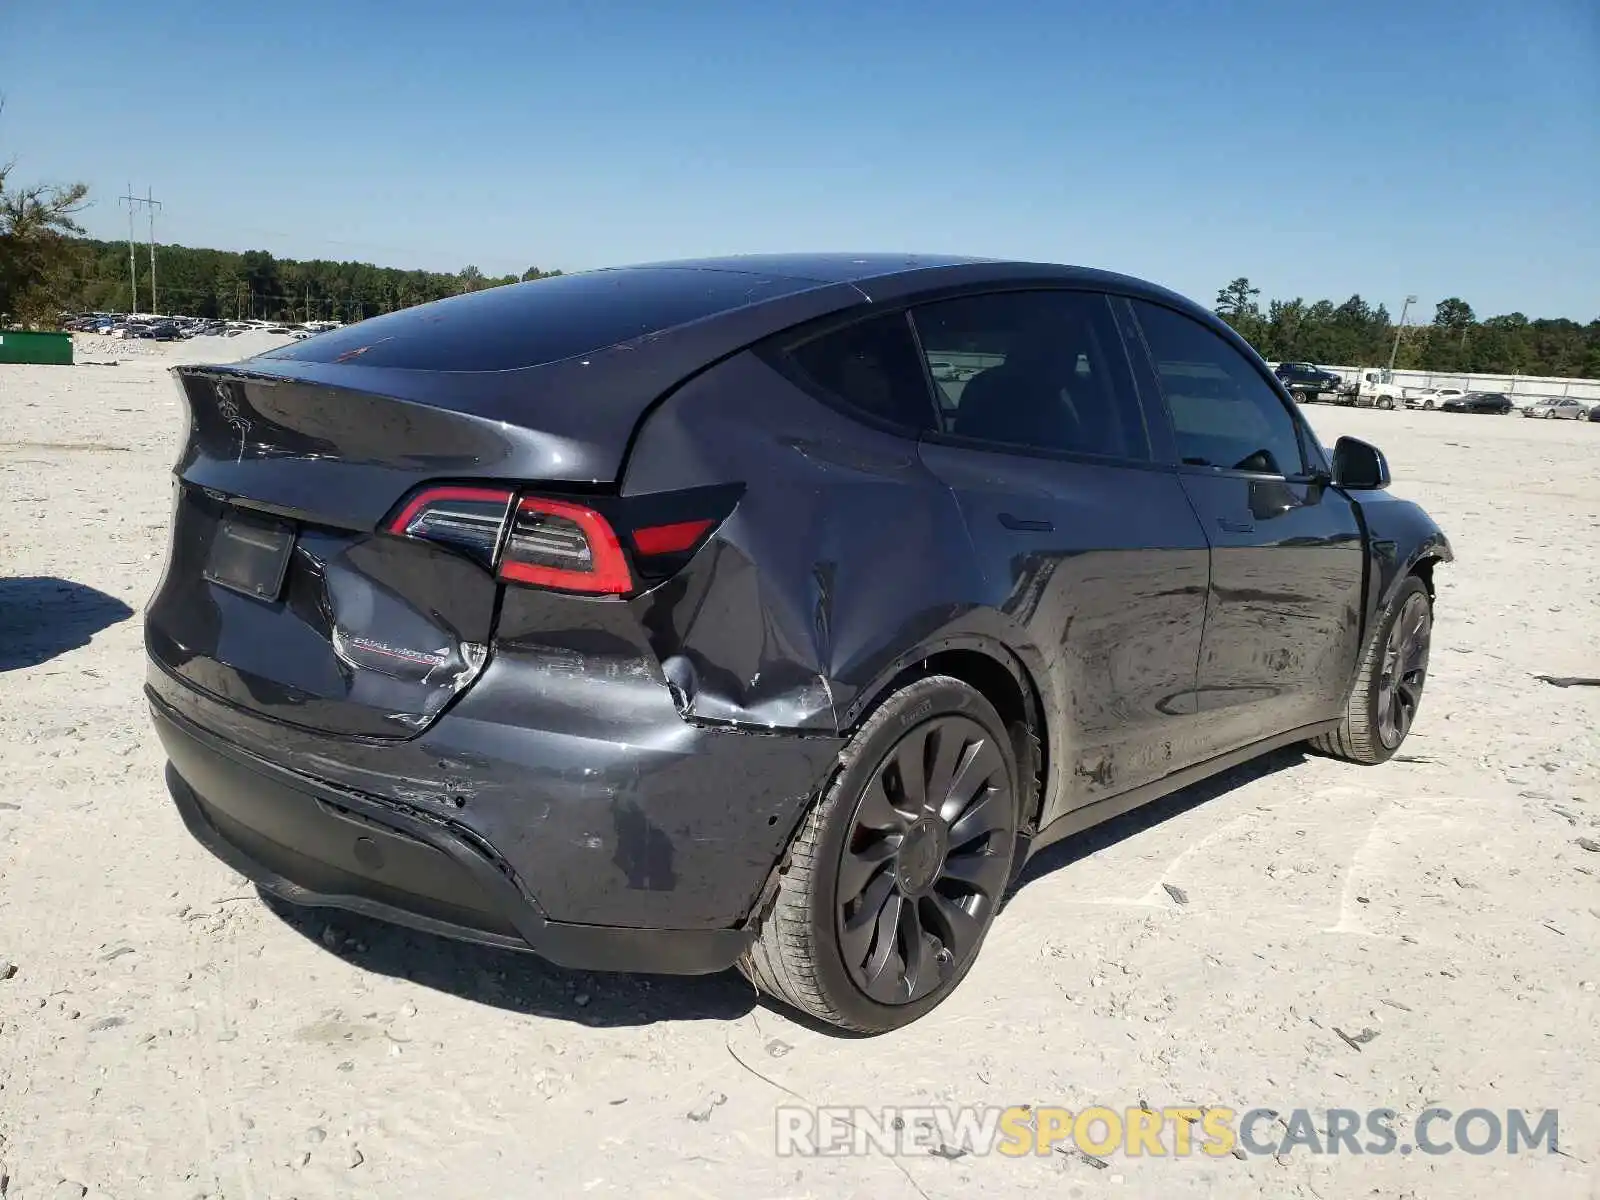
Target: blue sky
1321, 149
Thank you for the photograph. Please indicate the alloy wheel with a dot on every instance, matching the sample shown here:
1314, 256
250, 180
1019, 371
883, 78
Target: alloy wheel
926, 861
1405, 669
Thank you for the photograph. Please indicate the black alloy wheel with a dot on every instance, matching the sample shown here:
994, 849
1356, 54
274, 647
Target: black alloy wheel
926, 861
1405, 669
896, 873
1383, 702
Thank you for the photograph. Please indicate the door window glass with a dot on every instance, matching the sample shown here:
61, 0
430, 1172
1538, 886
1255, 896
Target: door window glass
1038, 370
1224, 414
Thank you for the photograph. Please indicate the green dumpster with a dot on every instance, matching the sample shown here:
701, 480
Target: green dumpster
54, 349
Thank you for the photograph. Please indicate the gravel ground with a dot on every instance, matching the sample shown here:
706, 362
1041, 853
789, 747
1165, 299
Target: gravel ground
1298, 934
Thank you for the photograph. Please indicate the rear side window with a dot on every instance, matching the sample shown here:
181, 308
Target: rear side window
543, 321
1041, 370
873, 367
1224, 414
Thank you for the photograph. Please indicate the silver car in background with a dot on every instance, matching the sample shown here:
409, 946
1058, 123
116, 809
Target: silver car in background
1564, 409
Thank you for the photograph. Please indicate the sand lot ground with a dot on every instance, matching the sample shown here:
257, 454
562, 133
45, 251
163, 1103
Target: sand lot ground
166, 1034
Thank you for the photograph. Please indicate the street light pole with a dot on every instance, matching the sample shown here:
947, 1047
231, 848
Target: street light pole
1398, 329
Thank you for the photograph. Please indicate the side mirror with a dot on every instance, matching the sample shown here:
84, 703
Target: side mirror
1359, 465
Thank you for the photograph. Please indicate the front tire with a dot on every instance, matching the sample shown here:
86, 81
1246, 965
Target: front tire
1388, 689
898, 870
1427, 404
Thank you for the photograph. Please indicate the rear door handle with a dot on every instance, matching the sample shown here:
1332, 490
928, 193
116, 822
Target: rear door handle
1024, 523
1236, 526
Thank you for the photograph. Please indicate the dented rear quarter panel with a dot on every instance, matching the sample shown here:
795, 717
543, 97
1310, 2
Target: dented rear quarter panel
845, 559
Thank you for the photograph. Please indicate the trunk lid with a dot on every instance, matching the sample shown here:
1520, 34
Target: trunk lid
281, 596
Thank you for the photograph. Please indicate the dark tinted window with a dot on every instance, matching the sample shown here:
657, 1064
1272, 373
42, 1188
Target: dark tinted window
526, 324
1041, 370
1223, 412
872, 366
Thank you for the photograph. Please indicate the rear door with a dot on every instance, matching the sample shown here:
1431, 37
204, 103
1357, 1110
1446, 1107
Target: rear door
1093, 547
1285, 604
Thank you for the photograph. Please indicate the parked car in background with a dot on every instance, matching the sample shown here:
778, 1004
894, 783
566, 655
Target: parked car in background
674, 618
1563, 409
1594, 413
1480, 402
1431, 398
1307, 381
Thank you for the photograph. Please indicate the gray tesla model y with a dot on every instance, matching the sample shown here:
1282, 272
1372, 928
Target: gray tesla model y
763, 612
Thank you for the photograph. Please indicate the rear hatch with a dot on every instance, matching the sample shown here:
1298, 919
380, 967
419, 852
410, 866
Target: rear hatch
348, 508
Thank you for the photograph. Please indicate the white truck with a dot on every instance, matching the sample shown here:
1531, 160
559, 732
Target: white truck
1377, 389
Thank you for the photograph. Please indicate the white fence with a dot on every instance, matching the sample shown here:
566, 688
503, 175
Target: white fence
1521, 388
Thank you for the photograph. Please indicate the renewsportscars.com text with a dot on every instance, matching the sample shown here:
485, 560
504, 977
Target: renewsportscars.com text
1142, 1131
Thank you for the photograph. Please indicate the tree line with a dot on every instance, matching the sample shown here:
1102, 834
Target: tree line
48, 268
1455, 340
94, 276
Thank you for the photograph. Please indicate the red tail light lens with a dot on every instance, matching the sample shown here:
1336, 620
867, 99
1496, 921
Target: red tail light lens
561, 545
670, 539
568, 544
466, 518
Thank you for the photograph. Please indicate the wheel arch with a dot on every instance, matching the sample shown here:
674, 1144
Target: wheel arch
1422, 568
1001, 677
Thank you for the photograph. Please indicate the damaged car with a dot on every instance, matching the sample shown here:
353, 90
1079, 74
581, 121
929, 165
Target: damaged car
698, 615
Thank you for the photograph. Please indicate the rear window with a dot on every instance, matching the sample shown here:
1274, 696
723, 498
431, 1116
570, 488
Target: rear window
545, 320
874, 367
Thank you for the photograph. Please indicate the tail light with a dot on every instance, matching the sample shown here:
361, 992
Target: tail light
670, 539
469, 519
605, 546
560, 545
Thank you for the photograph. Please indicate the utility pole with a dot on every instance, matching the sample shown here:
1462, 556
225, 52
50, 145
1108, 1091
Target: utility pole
133, 275
133, 202
1399, 329
152, 204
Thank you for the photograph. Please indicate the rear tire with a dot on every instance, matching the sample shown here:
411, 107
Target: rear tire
1388, 689
898, 870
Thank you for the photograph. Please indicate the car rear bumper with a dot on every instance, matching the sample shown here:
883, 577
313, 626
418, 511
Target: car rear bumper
681, 909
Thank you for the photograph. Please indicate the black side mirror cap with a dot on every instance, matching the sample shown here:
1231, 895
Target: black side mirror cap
1359, 465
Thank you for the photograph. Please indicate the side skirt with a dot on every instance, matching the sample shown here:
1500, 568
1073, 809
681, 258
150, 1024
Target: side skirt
1090, 815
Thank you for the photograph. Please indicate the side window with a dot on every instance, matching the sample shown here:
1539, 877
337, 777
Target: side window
1224, 413
872, 366
1039, 370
